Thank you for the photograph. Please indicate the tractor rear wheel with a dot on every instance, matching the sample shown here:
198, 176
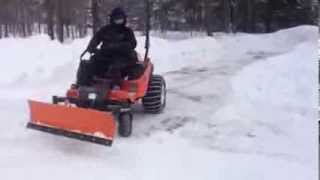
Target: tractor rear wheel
155, 99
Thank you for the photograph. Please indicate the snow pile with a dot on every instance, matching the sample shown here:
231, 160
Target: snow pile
34, 58
239, 107
272, 102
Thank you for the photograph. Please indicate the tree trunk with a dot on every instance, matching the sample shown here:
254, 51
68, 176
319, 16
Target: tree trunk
39, 27
82, 31
269, 16
6, 30
95, 15
60, 21
49, 4
24, 29
251, 16
208, 17
22, 17
233, 15
39, 23
227, 16
72, 32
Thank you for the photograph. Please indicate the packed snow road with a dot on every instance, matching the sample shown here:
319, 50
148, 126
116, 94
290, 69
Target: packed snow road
239, 107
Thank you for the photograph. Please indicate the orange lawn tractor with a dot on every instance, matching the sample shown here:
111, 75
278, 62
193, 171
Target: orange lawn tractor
89, 113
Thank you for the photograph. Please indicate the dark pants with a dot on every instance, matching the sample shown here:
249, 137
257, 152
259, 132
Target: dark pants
103, 66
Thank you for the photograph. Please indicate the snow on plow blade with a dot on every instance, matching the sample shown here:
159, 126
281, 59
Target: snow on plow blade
78, 123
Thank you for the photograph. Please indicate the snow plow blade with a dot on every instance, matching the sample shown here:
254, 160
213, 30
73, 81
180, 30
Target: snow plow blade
77, 123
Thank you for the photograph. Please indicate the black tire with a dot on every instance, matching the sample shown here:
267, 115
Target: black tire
55, 100
155, 99
125, 124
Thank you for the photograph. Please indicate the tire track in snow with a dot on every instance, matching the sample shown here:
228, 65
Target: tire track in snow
193, 93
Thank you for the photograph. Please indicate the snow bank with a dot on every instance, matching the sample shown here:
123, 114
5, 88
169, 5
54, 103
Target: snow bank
239, 107
274, 101
37, 58
34, 58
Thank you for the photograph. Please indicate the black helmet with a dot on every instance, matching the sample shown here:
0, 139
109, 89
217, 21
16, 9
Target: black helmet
118, 16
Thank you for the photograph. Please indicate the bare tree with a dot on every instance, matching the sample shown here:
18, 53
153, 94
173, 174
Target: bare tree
63, 19
60, 21
95, 15
49, 7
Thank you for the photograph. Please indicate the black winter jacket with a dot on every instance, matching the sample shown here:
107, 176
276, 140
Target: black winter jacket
116, 40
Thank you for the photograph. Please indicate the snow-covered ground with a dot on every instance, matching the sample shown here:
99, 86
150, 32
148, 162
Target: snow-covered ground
239, 107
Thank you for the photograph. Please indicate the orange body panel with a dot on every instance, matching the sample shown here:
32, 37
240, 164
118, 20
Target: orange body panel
85, 121
130, 90
134, 89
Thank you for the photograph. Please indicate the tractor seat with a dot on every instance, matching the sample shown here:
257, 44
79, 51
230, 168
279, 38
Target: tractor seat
136, 71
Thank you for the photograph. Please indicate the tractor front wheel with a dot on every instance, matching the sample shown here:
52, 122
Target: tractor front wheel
125, 124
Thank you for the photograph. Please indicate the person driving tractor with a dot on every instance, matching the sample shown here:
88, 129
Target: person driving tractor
116, 55
89, 109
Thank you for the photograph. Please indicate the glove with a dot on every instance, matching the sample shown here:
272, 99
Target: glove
86, 56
